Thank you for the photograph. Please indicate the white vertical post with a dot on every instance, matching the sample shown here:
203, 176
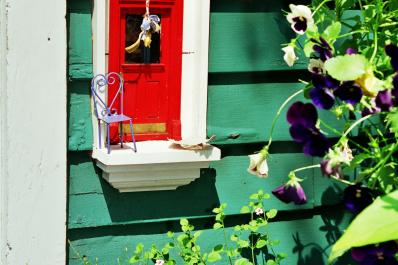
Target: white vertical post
33, 131
99, 59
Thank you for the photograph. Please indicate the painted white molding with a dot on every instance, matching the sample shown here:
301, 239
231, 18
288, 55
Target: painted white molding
33, 131
3, 130
162, 167
159, 166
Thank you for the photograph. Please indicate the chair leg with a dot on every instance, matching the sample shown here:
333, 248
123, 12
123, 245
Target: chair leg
132, 136
109, 138
99, 134
121, 134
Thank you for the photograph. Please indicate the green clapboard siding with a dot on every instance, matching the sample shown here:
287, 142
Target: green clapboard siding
80, 39
248, 80
93, 202
249, 42
248, 111
306, 241
80, 132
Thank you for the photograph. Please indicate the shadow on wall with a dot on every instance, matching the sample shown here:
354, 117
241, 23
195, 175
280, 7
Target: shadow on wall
196, 199
312, 245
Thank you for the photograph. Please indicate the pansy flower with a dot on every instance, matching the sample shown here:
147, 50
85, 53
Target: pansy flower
384, 100
291, 192
322, 94
258, 165
326, 89
322, 49
300, 18
349, 92
316, 66
302, 118
356, 198
289, 56
328, 169
379, 254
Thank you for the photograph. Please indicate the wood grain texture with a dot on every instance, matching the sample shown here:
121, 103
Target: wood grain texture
249, 42
306, 241
80, 131
247, 111
93, 202
79, 39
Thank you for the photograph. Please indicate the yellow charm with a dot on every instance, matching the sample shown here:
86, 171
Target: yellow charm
148, 40
132, 48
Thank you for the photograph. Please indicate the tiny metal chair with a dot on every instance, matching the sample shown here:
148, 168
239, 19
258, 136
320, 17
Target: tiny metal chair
107, 114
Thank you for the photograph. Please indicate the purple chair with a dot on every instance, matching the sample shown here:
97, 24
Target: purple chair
108, 115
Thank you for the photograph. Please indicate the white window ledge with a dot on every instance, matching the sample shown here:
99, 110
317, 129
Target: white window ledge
158, 165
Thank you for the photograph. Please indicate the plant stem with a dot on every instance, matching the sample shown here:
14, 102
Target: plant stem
382, 162
342, 181
279, 113
226, 241
320, 5
354, 125
339, 134
305, 168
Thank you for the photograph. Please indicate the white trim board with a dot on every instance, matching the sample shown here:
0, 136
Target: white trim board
124, 166
33, 132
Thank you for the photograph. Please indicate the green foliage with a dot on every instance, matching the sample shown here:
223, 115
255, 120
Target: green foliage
377, 223
184, 247
346, 67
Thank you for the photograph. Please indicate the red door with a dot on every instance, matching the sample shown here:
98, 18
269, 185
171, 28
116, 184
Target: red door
152, 91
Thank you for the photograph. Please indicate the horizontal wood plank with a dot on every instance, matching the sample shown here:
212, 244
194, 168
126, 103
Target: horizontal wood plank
249, 42
93, 202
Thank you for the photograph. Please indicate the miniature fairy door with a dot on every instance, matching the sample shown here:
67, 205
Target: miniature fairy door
152, 85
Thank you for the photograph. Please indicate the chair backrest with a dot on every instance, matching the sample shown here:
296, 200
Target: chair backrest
99, 85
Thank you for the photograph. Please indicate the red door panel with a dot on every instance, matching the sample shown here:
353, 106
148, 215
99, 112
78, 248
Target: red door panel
152, 92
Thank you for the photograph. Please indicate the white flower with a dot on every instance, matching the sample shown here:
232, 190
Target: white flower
289, 57
300, 18
316, 66
159, 262
259, 211
258, 165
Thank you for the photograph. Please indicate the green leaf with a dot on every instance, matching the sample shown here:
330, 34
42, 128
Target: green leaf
261, 243
184, 222
392, 121
332, 32
254, 196
308, 48
170, 234
213, 256
245, 209
347, 67
377, 223
271, 213
218, 248
271, 262
217, 226
242, 261
243, 243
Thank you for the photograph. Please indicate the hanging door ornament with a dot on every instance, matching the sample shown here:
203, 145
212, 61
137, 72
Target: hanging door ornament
150, 25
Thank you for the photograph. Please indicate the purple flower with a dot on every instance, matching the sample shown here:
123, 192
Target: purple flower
349, 92
291, 192
322, 93
322, 49
379, 254
392, 51
329, 170
302, 114
384, 100
303, 118
356, 198
350, 51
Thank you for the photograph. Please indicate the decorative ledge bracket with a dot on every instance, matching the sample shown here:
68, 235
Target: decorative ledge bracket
158, 165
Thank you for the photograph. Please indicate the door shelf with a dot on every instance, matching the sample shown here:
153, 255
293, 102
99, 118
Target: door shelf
158, 165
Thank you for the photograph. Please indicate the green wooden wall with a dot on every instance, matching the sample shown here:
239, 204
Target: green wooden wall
248, 80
